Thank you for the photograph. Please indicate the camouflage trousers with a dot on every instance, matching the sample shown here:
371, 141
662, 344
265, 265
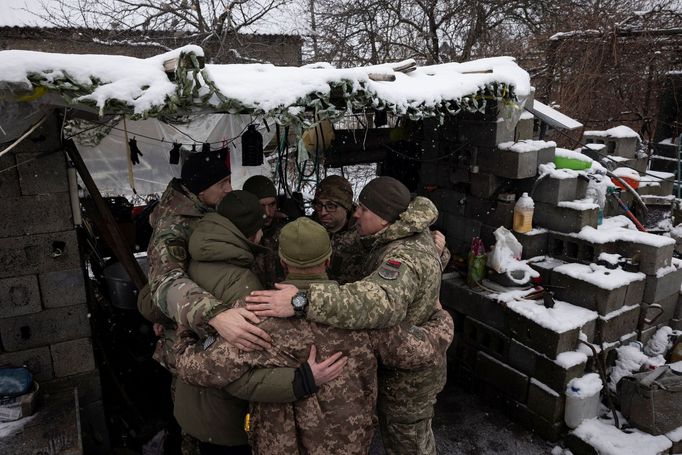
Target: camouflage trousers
405, 409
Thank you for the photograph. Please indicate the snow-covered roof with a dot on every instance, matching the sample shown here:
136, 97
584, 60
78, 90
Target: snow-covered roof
141, 87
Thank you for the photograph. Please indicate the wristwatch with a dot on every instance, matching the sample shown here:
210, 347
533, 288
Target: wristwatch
300, 304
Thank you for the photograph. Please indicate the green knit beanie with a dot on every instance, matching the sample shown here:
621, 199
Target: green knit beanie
261, 186
304, 243
337, 189
243, 210
386, 197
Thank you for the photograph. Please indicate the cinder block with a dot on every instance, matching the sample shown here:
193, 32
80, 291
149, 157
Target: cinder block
72, 357
542, 368
509, 164
462, 229
47, 327
45, 138
39, 253
651, 258
524, 129
550, 431
88, 384
534, 243
485, 338
635, 293
35, 214
483, 185
492, 213
457, 296
540, 338
564, 219
658, 287
545, 267
611, 327
485, 134
545, 402
505, 378
44, 175
38, 361
587, 295
676, 324
9, 179
546, 155
19, 295
655, 315
552, 190
62, 288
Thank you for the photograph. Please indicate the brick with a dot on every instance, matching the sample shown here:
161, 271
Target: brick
534, 243
48, 326
564, 219
485, 134
587, 295
483, 185
656, 288
72, 357
9, 179
485, 338
545, 402
38, 361
457, 296
509, 164
20, 218
668, 306
19, 295
542, 368
44, 175
503, 377
34, 254
62, 288
45, 138
88, 384
613, 326
539, 338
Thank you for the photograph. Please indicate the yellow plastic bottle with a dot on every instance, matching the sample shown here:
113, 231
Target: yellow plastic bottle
523, 214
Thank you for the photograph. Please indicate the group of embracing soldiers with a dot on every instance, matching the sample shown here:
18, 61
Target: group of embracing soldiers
288, 337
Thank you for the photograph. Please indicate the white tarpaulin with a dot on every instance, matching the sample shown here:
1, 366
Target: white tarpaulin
108, 161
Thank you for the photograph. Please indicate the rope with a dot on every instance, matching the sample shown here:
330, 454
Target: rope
24, 136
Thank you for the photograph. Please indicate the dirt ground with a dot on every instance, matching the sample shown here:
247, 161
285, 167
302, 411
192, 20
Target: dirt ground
466, 424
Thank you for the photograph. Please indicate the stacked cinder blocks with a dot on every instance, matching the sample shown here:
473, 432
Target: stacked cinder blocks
44, 317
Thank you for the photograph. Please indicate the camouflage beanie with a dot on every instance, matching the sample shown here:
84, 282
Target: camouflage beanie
243, 210
386, 197
261, 186
337, 189
204, 169
304, 243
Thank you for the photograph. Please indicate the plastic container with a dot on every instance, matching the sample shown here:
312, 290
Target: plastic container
582, 399
562, 162
593, 194
122, 291
523, 214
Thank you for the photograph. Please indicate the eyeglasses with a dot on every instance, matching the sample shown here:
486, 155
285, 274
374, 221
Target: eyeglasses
330, 207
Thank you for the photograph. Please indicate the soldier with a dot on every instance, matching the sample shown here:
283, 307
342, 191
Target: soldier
266, 264
339, 417
402, 285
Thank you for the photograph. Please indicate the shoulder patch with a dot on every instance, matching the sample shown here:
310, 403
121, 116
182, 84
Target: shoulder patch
177, 249
390, 269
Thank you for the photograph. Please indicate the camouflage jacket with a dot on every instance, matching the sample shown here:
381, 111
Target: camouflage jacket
173, 292
339, 418
402, 280
348, 255
266, 264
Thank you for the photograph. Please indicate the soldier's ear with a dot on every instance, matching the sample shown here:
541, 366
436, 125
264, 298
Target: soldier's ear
327, 262
284, 266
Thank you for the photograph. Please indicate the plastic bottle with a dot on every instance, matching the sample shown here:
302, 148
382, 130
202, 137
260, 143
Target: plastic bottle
523, 214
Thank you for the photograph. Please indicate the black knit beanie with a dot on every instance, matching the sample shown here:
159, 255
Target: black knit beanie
203, 169
386, 197
243, 210
261, 186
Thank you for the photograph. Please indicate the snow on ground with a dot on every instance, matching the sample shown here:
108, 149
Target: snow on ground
609, 440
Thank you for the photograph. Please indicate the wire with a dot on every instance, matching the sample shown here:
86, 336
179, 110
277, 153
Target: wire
430, 160
23, 136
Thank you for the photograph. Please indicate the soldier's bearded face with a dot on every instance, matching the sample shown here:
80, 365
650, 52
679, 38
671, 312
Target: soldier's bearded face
368, 222
332, 220
216, 192
269, 205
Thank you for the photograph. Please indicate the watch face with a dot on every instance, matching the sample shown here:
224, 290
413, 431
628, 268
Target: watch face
299, 301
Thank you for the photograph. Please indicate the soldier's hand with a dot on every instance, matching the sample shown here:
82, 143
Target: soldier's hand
236, 325
439, 240
328, 369
272, 303
158, 329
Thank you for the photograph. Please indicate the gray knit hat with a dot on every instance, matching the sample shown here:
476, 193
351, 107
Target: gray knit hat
386, 197
304, 243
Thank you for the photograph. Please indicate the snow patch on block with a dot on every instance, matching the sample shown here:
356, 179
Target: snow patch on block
609, 440
561, 318
599, 275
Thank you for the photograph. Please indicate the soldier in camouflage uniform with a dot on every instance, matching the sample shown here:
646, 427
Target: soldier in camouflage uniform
266, 264
402, 285
339, 418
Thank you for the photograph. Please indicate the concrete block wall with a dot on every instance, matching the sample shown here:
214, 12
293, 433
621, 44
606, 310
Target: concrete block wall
44, 317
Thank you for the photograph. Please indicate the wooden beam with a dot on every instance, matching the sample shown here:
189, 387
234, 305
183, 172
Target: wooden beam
106, 222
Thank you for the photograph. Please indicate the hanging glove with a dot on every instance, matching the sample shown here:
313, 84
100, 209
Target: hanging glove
135, 152
175, 154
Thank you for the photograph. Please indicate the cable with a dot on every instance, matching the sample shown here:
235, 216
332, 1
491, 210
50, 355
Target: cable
23, 136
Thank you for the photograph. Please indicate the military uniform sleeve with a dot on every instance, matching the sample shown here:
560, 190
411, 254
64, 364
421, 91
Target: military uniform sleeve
377, 301
408, 346
269, 385
173, 292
